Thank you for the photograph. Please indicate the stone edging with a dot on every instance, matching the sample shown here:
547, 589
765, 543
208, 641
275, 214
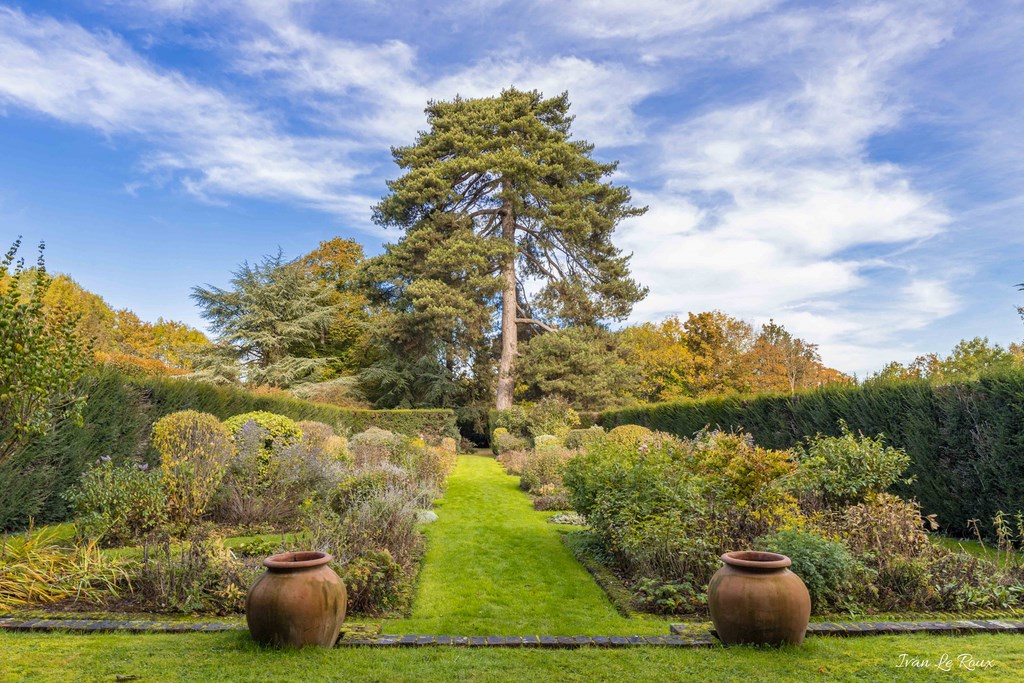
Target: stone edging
680, 637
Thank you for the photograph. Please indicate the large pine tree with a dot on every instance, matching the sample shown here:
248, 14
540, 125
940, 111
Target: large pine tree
509, 167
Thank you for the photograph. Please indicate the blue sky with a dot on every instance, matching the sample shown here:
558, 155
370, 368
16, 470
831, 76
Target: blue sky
854, 170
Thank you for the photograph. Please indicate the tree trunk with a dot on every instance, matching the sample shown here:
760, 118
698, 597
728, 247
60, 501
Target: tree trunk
509, 335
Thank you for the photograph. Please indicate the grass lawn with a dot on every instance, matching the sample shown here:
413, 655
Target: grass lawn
494, 566
233, 657
986, 552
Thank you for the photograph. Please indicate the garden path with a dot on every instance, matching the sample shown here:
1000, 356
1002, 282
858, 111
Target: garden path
494, 566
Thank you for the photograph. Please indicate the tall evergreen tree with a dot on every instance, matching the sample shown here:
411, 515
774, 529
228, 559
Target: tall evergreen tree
536, 202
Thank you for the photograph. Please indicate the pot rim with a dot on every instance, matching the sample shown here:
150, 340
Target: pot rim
301, 559
756, 559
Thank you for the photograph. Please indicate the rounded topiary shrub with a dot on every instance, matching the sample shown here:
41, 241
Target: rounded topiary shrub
194, 449
281, 430
578, 439
546, 442
631, 435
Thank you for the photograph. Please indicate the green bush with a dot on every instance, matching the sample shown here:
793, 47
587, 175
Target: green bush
965, 440
376, 583
513, 420
667, 597
668, 508
375, 446
648, 510
503, 442
827, 568
546, 442
551, 415
117, 504
578, 439
280, 430
630, 435
544, 468
195, 449
846, 469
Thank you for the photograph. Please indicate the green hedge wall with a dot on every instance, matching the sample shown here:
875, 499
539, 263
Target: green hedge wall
412, 422
965, 440
117, 419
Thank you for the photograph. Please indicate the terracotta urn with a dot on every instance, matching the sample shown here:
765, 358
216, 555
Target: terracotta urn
298, 601
755, 599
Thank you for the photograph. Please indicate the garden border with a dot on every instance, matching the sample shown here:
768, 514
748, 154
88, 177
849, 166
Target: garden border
682, 634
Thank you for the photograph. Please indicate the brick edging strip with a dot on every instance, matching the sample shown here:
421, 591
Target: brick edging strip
678, 639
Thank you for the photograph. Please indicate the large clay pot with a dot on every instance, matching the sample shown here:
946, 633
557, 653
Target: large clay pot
298, 601
754, 599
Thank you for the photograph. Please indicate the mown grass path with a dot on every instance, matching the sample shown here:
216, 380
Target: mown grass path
494, 566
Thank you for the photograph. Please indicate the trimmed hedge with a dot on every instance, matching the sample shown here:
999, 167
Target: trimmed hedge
411, 422
117, 420
965, 440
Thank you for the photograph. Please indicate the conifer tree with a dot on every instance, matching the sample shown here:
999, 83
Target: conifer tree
537, 202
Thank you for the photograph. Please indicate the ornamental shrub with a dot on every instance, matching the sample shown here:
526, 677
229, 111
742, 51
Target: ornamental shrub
280, 430
376, 583
544, 468
117, 504
846, 469
503, 442
514, 461
546, 441
578, 439
667, 508
514, 420
827, 567
551, 415
748, 479
376, 446
631, 435
322, 437
194, 449
267, 485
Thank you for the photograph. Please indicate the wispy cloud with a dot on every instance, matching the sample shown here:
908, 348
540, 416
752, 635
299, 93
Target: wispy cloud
214, 143
751, 128
783, 198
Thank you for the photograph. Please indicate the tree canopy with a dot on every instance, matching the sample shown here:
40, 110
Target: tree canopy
529, 200
268, 323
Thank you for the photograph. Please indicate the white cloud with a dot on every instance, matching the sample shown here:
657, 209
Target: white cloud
745, 125
218, 145
644, 19
777, 197
378, 91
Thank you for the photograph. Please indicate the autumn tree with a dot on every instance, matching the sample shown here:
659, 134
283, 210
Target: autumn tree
41, 355
337, 263
662, 358
719, 344
779, 361
537, 203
